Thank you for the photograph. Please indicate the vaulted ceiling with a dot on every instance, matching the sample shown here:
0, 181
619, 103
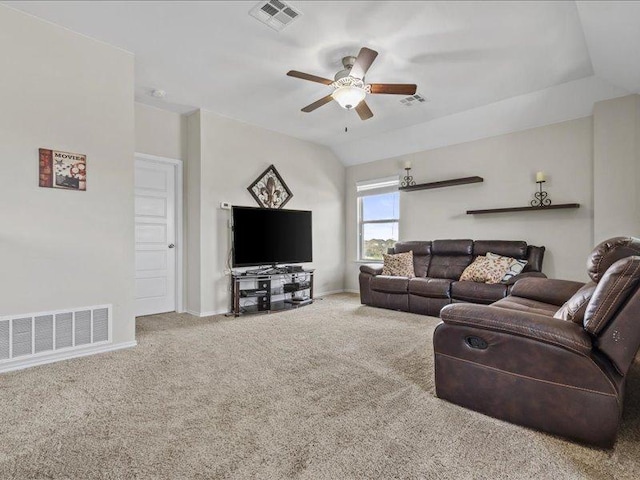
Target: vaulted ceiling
484, 67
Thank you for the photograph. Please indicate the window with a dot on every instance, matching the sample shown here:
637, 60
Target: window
378, 217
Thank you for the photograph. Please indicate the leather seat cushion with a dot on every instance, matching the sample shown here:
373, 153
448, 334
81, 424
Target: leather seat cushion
478, 292
389, 284
430, 287
526, 305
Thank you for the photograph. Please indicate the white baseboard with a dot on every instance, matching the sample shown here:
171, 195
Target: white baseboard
330, 292
32, 361
206, 314
349, 290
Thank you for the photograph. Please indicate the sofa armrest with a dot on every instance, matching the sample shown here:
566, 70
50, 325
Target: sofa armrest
546, 290
545, 329
371, 269
520, 276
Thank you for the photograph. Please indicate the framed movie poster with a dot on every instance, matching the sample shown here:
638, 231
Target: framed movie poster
63, 170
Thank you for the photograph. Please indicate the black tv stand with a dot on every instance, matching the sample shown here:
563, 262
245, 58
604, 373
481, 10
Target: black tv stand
270, 289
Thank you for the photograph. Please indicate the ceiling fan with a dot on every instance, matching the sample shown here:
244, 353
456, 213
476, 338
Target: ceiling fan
350, 89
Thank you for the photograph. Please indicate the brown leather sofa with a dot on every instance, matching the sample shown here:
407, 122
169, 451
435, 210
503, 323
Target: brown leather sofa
554, 354
438, 265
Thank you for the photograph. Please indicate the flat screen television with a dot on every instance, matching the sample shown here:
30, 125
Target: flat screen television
264, 236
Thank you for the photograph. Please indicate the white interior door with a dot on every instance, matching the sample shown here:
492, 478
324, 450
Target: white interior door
155, 220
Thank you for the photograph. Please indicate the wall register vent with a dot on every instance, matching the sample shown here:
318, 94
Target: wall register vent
38, 334
275, 14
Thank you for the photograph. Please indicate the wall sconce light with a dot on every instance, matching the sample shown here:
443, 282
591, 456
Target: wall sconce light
541, 197
408, 179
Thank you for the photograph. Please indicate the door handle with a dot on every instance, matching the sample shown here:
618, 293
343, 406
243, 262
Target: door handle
171, 245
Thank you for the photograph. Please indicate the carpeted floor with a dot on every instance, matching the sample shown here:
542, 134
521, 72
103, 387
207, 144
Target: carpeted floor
334, 390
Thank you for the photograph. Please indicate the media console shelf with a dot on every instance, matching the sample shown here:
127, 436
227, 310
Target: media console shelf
443, 183
523, 209
270, 292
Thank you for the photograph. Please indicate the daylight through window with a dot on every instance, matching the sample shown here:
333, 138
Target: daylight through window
378, 217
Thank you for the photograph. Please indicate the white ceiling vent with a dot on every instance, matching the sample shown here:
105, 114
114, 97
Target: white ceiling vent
412, 100
275, 14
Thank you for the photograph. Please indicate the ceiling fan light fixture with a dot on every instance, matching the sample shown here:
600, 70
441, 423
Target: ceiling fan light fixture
349, 96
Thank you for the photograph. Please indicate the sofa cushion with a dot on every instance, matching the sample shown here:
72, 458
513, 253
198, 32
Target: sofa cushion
452, 247
398, 265
620, 280
421, 255
506, 248
385, 283
430, 287
574, 308
449, 258
478, 292
450, 267
526, 305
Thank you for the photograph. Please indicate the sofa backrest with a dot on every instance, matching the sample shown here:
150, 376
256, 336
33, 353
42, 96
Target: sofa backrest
421, 255
512, 248
506, 248
449, 258
535, 255
613, 313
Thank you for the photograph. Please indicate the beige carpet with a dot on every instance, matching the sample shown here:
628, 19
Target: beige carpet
334, 390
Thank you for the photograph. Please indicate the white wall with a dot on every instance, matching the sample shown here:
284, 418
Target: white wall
508, 164
232, 155
193, 217
63, 249
160, 132
617, 167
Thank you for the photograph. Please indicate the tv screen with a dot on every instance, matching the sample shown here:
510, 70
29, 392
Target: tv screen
263, 236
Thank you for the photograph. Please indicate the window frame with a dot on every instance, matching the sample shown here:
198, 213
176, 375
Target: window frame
369, 188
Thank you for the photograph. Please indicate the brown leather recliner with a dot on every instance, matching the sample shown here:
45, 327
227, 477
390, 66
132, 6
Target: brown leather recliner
554, 354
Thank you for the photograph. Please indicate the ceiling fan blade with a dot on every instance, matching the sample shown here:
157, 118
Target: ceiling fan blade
364, 111
308, 76
363, 62
394, 88
317, 104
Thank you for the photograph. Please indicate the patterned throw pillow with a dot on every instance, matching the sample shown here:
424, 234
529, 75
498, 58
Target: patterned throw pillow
476, 272
515, 266
488, 269
398, 265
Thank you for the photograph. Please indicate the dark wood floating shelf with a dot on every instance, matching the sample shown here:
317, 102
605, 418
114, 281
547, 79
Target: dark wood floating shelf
523, 209
444, 183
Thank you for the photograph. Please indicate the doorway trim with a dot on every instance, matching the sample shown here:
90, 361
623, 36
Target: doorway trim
180, 240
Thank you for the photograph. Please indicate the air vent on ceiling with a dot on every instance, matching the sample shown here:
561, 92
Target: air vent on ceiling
275, 14
412, 100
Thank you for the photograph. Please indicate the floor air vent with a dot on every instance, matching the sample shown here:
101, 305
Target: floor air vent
24, 336
275, 14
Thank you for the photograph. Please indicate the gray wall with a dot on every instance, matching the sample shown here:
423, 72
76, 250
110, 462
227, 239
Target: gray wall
508, 164
161, 133
229, 156
63, 249
617, 167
